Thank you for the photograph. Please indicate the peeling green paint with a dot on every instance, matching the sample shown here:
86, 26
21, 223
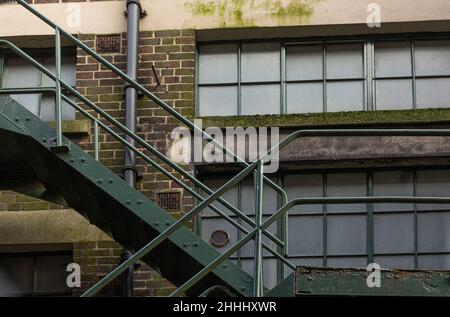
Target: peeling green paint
238, 13
331, 119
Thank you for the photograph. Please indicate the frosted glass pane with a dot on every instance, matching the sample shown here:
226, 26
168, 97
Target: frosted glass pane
434, 262
397, 183
345, 61
347, 262
434, 232
260, 62
304, 62
305, 98
345, 96
30, 102
302, 186
346, 185
230, 196
306, 236
394, 233
395, 262
48, 109
248, 200
393, 59
433, 57
316, 261
433, 184
68, 71
218, 101
269, 272
19, 74
394, 94
211, 225
347, 234
249, 248
433, 93
261, 99
218, 64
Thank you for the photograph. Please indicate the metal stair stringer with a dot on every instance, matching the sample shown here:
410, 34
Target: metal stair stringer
125, 214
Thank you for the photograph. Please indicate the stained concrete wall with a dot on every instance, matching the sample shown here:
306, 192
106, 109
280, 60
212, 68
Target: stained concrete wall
108, 16
46, 226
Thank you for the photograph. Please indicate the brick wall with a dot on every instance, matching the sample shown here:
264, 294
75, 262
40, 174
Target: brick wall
172, 52
98, 258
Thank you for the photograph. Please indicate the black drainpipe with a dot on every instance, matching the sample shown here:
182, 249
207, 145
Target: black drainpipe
134, 13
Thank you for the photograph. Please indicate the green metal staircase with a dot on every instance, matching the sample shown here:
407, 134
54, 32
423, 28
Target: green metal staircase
106, 200
39, 161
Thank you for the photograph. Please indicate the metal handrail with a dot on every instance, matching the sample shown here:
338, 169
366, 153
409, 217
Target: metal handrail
98, 124
147, 93
170, 230
134, 136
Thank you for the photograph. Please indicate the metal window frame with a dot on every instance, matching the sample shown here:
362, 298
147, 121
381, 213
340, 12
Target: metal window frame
369, 77
39, 55
370, 214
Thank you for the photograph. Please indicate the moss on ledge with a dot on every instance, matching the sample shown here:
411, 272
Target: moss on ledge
332, 119
74, 127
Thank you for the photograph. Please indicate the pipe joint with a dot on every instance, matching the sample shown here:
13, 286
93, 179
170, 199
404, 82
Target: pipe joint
143, 13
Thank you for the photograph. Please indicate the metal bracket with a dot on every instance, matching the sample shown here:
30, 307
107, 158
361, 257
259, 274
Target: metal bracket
143, 13
132, 168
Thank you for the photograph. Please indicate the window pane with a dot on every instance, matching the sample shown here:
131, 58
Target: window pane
433, 57
30, 101
304, 98
346, 185
48, 109
433, 184
394, 233
347, 234
433, 232
307, 235
230, 196
260, 62
218, 64
393, 59
68, 71
397, 183
51, 273
347, 262
20, 74
218, 101
434, 262
344, 61
304, 62
211, 225
261, 99
345, 96
395, 261
16, 275
433, 93
298, 186
394, 94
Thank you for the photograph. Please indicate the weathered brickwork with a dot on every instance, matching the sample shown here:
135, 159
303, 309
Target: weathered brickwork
172, 53
97, 259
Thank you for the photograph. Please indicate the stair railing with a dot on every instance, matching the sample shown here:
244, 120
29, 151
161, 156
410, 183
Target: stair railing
259, 227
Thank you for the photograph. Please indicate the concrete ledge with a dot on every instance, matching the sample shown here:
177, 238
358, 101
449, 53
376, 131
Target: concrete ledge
352, 118
74, 127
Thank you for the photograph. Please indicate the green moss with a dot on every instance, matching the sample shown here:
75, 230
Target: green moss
294, 9
206, 8
234, 11
332, 119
